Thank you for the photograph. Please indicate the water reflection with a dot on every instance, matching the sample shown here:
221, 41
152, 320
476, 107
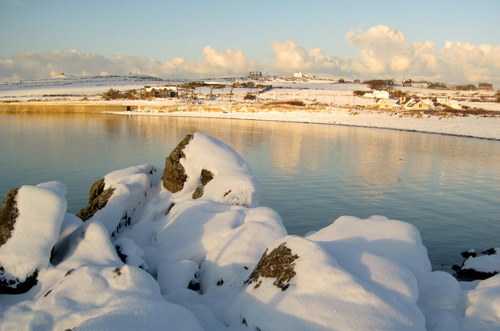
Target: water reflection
311, 174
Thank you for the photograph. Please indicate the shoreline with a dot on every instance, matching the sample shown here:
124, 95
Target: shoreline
479, 127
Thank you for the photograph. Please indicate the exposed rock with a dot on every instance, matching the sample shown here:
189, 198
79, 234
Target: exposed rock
470, 270
279, 264
174, 175
464, 274
16, 286
469, 253
205, 177
8, 215
98, 198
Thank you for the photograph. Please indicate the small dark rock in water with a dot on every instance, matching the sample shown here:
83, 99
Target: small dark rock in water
279, 264
174, 174
469, 274
468, 254
8, 215
205, 177
98, 198
489, 251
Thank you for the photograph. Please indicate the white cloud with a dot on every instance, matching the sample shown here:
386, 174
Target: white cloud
27, 65
383, 52
290, 57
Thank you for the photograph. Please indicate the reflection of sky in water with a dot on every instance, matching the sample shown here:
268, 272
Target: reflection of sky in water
449, 187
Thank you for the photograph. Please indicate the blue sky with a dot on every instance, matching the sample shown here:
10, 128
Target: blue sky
149, 35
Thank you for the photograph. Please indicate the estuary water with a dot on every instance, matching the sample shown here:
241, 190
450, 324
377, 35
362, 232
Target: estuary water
448, 187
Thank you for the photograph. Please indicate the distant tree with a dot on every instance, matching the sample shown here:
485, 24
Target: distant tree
111, 94
341, 81
376, 84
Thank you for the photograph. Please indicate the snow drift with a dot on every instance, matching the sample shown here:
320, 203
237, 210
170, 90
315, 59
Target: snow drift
193, 250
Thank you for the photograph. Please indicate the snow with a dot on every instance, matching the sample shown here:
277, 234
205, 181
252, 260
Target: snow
355, 274
484, 263
41, 211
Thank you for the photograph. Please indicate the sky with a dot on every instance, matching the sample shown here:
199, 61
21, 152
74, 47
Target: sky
450, 41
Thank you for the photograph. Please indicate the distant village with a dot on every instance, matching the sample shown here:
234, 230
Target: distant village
377, 94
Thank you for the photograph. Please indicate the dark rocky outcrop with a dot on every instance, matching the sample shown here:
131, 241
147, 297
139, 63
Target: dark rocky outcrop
279, 264
8, 215
174, 175
464, 273
98, 198
206, 176
16, 286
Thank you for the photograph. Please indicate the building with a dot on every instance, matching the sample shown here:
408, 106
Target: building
159, 92
377, 94
485, 86
298, 75
415, 104
255, 75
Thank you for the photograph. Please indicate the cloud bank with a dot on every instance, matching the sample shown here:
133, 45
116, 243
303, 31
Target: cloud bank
383, 52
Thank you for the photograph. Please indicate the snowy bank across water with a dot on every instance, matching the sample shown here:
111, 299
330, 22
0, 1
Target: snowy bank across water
472, 126
189, 248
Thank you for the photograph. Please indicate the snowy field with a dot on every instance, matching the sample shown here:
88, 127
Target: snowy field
324, 101
189, 248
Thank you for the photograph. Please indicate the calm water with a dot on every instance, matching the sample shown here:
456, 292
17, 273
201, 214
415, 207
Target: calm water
449, 187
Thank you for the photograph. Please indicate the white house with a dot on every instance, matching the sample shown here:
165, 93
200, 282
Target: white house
377, 94
298, 75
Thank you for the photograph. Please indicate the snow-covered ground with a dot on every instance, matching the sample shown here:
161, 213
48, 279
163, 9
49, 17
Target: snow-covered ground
193, 250
325, 101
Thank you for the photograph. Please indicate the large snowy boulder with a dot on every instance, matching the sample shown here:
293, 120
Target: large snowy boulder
30, 221
204, 167
299, 285
93, 290
118, 199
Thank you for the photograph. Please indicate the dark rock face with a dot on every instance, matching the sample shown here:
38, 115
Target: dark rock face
471, 274
98, 198
15, 286
206, 176
279, 264
174, 175
8, 215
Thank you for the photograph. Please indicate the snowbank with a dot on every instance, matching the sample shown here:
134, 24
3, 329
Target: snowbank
147, 258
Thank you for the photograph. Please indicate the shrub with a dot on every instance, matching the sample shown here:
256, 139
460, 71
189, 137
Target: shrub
111, 94
250, 96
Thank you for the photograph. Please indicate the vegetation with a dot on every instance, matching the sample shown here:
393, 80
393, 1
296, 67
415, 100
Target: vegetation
297, 103
468, 87
250, 96
379, 84
193, 85
113, 94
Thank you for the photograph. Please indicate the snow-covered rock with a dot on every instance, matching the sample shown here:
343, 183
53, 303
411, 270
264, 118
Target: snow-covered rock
31, 218
203, 167
194, 251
